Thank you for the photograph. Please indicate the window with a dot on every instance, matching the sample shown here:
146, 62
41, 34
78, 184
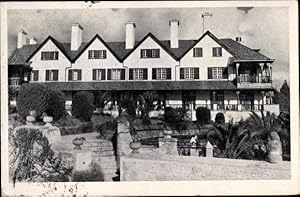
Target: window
217, 51
115, 74
189, 73
198, 52
35, 75
98, 74
217, 73
49, 55
51, 75
97, 54
75, 75
138, 74
161, 73
150, 53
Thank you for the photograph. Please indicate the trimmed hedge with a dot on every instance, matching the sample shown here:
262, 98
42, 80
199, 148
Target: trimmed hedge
220, 118
203, 115
41, 99
82, 105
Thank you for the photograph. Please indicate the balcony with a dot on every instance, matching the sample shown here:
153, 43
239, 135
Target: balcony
253, 81
14, 82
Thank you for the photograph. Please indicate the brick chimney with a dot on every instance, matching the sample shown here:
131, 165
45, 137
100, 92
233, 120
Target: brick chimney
130, 35
32, 40
76, 36
174, 23
22, 36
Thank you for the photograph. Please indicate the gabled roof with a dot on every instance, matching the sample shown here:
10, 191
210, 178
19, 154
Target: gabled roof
156, 40
239, 51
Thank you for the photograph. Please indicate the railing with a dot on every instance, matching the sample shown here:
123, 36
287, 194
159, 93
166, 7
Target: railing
253, 79
14, 81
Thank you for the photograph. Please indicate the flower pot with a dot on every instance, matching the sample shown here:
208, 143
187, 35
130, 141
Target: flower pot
135, 146
30, 119
47, 119
78, 142
168, 133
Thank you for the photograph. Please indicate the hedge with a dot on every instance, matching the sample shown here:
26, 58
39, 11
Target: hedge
203, 115
82, 105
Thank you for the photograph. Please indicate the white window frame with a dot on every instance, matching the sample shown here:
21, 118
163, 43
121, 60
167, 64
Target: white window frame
51, 75
218, 51
49, 55
189, 73
161, 73
99, 74
138, 74
75, 75
196, 52
92, 54
217, 73
115, 74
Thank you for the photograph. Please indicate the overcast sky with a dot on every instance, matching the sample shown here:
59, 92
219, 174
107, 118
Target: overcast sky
264, 28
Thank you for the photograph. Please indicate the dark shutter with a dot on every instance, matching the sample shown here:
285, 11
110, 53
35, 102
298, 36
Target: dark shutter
224, 73
108, 74
55, 75
94, 73
43, 56
90, 55
142, 52
194, 52
131, 74
154, 73
169, 74
196, 73
47, 75
145, 73
104, 54
181, 73
79, 74
102, 74
220, 51
56, 55
122, 74
70, 77
35, 75
214, 52
158, 53
209, 73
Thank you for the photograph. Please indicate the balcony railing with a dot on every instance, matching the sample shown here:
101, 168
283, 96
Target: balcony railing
14, 81
253, 79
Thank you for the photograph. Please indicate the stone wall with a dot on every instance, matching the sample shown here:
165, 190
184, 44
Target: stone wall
150, 167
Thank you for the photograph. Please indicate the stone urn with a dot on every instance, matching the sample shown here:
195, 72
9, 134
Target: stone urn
168, 133
135, 146
274, 148
47, 119
78, 142
30, 119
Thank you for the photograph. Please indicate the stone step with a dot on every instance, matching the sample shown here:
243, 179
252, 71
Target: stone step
96, 148
97, 143
102, 153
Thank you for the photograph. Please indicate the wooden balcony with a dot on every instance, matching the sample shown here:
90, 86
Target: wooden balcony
254, 81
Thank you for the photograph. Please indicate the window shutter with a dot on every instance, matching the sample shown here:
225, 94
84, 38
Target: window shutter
102, 74
194, 52
224, 73
145, 73
142, 52
214, 52
35, 75
47, 75
181, 73
79, 74
122, 74
209, 73
90, 55
56, 55
220, 51
94, 74
108, 74
130, 73
42, 55
55, 75
169, 74
154, 73
70, 77
196, 73
104, 54
158, 53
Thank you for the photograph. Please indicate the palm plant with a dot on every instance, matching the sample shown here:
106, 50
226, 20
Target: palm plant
102, 99
146, 103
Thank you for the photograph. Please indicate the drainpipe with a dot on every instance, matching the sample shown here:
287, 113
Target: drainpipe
66, 71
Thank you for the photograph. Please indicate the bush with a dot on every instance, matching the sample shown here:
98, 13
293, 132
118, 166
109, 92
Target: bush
174, 115
203, 115
220, 118
32, 97
130, 107
82, 105
107, 130
56, 103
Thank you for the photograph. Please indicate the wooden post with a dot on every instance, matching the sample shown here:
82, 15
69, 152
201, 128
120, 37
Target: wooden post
237, 65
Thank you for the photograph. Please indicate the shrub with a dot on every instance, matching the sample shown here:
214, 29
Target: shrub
107, 130
82, 105
32, 97
56, 106
174, 115
203, 115
130, 107
220, 118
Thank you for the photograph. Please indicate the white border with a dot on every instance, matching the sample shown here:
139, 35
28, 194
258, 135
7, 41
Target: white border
168, 187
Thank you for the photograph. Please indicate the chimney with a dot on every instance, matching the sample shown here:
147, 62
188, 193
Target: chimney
76, 36
22, 36
32, 40
130, 35
238, 39
174, 23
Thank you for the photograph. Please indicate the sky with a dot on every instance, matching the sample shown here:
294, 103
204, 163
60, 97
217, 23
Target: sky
265, 28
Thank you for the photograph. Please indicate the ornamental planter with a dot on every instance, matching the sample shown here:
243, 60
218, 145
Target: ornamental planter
168, 133
135, 146
78, 142
30, 119
47, 119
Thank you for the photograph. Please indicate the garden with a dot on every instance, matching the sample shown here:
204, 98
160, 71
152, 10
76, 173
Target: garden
34, 159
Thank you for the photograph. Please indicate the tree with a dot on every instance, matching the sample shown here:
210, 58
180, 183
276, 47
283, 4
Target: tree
146, 103
282, 97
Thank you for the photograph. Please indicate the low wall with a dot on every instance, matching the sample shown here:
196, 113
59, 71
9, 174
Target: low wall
149, 167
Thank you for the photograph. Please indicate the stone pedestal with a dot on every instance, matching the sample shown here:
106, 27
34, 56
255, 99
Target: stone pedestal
168, 146
83, 160
209, 150
194, 151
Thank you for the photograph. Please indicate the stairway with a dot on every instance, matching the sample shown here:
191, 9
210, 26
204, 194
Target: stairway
103, 154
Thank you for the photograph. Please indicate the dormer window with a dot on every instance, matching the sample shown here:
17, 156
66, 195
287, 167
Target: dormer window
150, 53
198, 52
217, 51
49, 55
97, 54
